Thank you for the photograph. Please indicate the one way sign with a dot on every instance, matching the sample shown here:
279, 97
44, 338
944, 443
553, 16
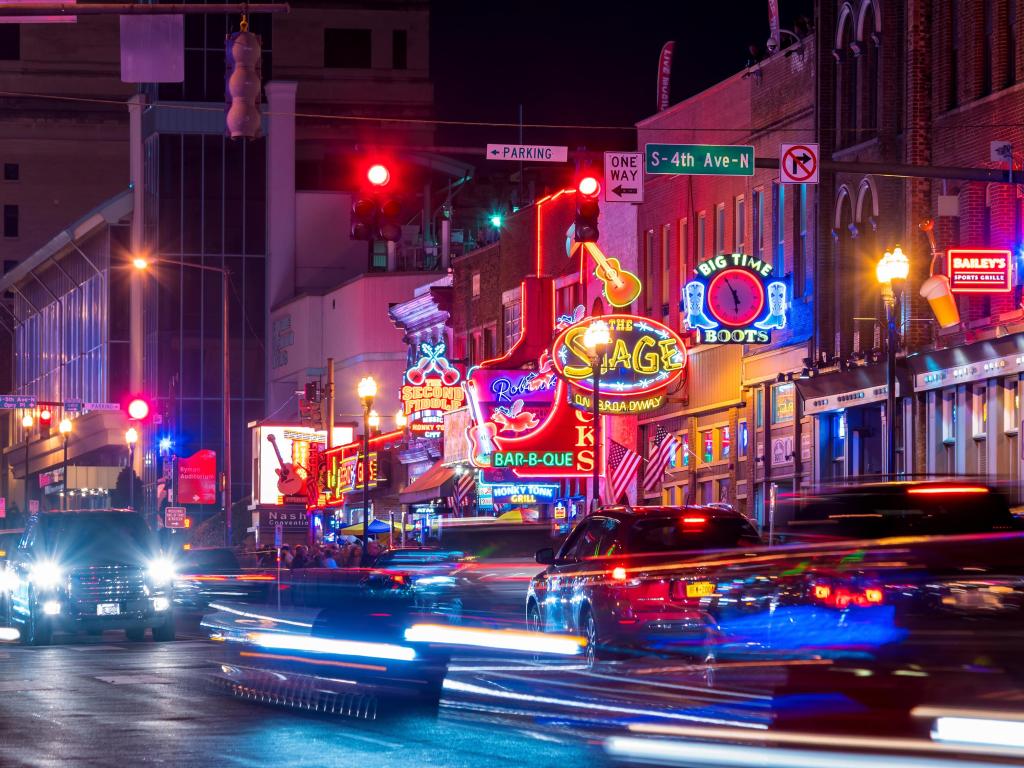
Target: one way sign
624, 177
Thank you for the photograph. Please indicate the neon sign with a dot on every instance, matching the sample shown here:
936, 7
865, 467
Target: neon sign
345, 474
733, 300
522, 493
432, 391
642, 361
621, 287
979, 270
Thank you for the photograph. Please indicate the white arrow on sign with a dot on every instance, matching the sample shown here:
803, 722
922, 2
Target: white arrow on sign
624, 177
527, 153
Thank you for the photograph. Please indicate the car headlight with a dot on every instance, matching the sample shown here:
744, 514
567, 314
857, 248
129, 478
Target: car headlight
46, 574
161, 571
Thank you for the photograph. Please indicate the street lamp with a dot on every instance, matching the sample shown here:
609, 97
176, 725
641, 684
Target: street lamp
374, 421
367, 390
596, 339
400, 419
893, 268
142, 263
26, 422
131, 436
65, 430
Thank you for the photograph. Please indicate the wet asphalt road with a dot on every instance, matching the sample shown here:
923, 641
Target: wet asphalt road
102, 701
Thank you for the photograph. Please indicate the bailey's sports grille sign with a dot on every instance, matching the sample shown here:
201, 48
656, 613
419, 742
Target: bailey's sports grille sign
979, 270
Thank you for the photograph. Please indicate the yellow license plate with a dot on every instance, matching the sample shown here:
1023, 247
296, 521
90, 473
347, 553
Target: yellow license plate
700, 589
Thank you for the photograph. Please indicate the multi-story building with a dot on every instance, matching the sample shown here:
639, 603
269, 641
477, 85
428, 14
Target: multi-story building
736, 419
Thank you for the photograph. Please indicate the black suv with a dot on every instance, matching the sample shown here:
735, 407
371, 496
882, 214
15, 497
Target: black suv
89, 570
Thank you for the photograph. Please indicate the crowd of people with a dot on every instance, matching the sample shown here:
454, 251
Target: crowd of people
344, 554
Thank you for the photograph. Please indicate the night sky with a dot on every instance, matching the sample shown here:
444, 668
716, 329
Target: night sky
582, 62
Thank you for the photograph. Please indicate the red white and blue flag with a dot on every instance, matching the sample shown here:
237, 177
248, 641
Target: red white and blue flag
662, 449
622, 466
464, 482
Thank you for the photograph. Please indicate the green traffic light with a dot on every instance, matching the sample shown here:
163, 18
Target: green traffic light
496, 221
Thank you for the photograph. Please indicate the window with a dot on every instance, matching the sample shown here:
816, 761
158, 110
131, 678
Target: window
744, 438
666, 266
757, 222
1011, 42
476, 285
954, 53
838, 436
476, 351
347, 48
684, 450
684, 250
979, 410
870, 79
11, 172
725, 443
399, 49
10, 221
778, 228
512, 322
986, 47
650, 270
949, 417
10, 42
783, 403
1011, 405
759, 409
740, 225
720, 228
800, 240
490, 352
702, 221
707, 441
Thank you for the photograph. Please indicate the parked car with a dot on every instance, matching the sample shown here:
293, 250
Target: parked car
89, 570
613, 580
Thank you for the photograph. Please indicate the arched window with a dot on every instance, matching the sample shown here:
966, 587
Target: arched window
846, 79
846, 285
868, 64
868, 253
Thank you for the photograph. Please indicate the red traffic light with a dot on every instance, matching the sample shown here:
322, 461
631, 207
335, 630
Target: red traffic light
588, 186
45, 417
138, 408
378, 175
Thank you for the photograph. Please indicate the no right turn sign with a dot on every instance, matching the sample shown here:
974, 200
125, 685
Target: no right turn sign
798, 163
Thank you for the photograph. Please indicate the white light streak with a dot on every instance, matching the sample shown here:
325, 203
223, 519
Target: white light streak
498, 639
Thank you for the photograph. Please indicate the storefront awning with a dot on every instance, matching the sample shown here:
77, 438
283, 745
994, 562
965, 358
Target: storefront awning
969, 362
435, 483
848, 389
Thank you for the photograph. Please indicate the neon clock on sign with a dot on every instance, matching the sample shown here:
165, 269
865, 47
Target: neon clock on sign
733, 300
643, 359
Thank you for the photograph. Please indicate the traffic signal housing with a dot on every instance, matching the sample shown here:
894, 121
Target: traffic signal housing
377, 209
587, 209
45, 422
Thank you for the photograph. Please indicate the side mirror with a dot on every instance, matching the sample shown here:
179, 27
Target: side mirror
545, 556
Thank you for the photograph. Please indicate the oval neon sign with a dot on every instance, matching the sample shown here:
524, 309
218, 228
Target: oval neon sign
643, 356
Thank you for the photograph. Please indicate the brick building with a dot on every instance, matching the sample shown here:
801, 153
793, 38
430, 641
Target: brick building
736, 417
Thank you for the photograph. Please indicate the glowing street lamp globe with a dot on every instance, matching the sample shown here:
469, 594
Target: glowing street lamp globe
374, 420
26, 421
597, 336
65, 426
401, 420
131, 436
367, 388
894, 265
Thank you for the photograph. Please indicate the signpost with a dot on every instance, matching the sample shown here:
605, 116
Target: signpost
700, 159
174, 517
798, 163
624, 177
527, 152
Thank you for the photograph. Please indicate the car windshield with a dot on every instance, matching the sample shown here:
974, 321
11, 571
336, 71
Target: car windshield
208, 560
97, 537
671, 533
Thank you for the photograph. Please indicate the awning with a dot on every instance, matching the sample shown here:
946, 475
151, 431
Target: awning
968, 362
435, 483
848, 389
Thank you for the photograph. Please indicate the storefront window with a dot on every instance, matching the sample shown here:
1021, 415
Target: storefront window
1011, 404
949, 417
744, 438
724, 488
838, 436
684, 450
759, 409
783, 403
979, 410
725, 442
707, 440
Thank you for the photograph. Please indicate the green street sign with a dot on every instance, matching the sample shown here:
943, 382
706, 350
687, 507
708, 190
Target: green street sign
699, 159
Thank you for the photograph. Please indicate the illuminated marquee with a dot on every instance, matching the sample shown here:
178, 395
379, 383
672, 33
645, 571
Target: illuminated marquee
979, 270
432, 391
521, 493
345, 474
643, 360
733, 300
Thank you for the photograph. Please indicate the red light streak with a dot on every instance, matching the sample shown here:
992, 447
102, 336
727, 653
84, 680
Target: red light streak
934, 491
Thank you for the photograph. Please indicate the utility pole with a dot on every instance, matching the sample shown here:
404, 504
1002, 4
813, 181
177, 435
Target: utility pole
330, 402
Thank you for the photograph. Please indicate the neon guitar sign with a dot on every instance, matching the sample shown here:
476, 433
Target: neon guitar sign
621, 287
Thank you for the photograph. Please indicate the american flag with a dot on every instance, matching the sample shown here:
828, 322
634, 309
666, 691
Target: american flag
464, 482
661, 452
622, 466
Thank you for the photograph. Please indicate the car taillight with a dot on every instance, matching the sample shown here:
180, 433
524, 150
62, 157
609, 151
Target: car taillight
619, 573
694, 520
822, 591
873, 595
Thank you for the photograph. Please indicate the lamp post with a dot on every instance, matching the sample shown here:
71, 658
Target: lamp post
596, 338
893, 268
367, 390
65, 431
400, 419
131, 436
142, 263
26, 422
